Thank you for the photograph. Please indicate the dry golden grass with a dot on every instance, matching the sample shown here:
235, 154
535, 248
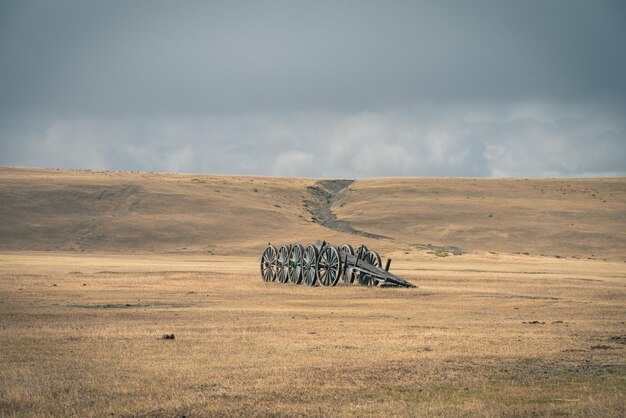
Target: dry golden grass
585, 218
95, 267
65, 210
460, 344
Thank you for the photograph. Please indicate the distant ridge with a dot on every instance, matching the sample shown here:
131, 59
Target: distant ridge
85, 211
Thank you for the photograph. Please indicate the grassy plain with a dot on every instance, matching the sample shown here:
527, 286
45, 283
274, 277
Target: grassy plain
82, 335
489, 332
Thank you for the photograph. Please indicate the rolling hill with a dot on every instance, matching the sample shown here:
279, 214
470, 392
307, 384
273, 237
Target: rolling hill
89, 211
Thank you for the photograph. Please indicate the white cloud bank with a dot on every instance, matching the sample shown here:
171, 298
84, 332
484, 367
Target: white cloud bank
521, 140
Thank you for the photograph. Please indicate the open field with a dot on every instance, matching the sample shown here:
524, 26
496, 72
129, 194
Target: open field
82, 335
96, 267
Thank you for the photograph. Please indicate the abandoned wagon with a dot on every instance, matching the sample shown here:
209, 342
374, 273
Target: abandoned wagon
326, 264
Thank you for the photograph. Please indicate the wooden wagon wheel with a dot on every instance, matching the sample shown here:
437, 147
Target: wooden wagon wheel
372, 258
295, 263
268, 263
309, 265
348, 274
328, 266
360, 252
282, 264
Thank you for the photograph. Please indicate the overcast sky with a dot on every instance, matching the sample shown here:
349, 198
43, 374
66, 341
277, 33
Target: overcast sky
312, 88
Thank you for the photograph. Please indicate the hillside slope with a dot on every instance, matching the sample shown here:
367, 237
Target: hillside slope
46, 209
556, 217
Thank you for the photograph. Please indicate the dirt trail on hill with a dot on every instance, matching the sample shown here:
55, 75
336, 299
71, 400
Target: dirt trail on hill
326, 192
320, 202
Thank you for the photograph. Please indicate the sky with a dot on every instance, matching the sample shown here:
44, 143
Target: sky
350, 89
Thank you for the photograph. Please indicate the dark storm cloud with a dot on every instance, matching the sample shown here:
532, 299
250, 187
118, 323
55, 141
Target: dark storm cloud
410, 88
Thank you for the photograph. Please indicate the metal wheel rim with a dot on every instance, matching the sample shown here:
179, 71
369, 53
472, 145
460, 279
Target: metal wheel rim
328, 266
268, 264
282, 272
309, 265
295, 263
